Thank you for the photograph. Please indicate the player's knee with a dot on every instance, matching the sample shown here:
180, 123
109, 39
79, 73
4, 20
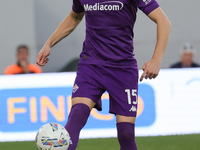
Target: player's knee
83, 100
125, 119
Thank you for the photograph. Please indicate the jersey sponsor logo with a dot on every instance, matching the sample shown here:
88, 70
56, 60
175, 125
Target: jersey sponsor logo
146, 1
104, 6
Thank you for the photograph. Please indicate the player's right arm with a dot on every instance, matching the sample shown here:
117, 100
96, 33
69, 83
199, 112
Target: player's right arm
63, 30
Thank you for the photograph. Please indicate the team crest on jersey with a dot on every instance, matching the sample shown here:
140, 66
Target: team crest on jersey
75, 88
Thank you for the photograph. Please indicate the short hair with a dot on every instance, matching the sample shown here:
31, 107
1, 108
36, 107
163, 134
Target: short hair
188, 48
22, 47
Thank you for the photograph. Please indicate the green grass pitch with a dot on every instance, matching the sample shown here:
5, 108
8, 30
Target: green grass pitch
175, 142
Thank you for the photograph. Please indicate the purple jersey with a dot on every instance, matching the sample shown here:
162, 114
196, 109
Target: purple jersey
109, 30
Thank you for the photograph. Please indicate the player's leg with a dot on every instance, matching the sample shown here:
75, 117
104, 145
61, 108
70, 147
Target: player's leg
125, 121
122, 87
126, 132
77, 118
86, 94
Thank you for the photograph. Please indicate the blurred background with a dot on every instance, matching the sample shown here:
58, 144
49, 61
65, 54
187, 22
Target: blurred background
31, 22
168, 105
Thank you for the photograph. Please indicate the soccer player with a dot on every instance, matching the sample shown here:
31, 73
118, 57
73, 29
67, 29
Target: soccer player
107, 62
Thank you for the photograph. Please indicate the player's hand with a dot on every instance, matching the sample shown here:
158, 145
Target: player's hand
42, 57
151, 70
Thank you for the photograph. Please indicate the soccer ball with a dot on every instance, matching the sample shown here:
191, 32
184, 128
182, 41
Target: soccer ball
52, 136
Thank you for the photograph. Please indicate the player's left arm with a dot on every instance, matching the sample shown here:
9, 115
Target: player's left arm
152, 67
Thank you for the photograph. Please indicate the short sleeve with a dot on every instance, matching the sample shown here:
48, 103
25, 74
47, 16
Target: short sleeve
77, 7
146, 6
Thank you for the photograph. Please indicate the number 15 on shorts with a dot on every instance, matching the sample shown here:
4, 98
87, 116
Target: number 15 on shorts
132, 93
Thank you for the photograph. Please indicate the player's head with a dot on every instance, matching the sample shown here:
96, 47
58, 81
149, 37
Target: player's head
187, 55
22, 53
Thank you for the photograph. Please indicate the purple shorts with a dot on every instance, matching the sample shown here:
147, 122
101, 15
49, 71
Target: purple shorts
121, 84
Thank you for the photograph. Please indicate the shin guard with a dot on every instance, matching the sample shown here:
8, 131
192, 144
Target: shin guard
76, 121
126, 136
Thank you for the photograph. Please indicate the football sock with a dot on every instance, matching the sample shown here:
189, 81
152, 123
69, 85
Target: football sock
76, 121
126, 136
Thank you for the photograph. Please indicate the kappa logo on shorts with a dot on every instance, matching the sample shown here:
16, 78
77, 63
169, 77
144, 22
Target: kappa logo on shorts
133, 108
75, 88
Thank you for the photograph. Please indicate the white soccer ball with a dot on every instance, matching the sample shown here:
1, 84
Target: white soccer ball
52, 136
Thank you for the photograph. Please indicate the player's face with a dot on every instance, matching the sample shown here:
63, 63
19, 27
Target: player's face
22, 54
187, 58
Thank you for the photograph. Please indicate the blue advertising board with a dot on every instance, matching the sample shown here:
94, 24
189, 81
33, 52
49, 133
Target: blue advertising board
27, 109
29, 101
